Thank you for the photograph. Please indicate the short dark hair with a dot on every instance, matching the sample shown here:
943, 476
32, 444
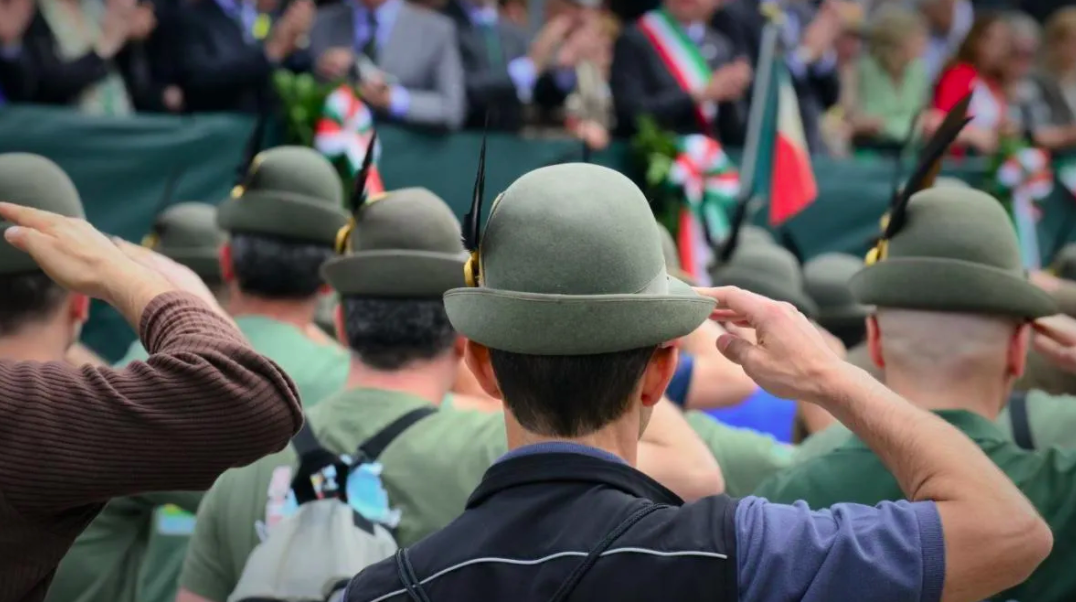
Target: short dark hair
568, 395
27, 298
277, 268
388, 334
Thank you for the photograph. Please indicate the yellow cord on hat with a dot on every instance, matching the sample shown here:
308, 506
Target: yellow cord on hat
151, 240
470, 274
343, 235
881, 248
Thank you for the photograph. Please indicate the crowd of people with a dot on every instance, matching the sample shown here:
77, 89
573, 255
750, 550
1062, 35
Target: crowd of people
864, 72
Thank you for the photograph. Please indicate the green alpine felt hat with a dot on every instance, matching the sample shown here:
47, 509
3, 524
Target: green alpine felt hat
290, 192
767, 270
33, 181
1064, 265
826, 279
188, 234
570, 263
672, 256
405, 244
956, 251
942, 181
751, 235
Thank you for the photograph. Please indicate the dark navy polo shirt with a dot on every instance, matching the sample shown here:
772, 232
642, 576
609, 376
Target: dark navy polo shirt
892, 552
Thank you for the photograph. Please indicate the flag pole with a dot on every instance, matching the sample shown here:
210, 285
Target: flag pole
755, 118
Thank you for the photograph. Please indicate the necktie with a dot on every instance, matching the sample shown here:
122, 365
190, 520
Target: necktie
370, 47
493, 44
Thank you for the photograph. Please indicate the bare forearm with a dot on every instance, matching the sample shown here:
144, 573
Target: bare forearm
994, 537
672, 454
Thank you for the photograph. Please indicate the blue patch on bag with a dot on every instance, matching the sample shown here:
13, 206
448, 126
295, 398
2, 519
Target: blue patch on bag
173, 520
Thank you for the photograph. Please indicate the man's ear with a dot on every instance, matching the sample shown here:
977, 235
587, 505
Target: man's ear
459, 346
79, 308
477, 357
325, 289
659, 372
1016, 362
339, 323
227, 270
874, 341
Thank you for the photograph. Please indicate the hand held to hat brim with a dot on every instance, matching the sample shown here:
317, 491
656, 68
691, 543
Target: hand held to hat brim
993, 536
1055, 339
179, 275
790, 359
83, 260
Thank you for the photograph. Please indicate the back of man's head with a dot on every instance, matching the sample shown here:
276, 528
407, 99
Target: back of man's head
282, 221
570, 308
949, 346
29, 298
399, 254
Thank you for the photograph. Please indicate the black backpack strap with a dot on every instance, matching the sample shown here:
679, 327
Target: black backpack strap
1021, 426
313, 458
407, 576
584, 567
374, 446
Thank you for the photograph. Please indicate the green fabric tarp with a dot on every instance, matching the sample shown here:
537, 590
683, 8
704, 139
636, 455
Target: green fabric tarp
122, 168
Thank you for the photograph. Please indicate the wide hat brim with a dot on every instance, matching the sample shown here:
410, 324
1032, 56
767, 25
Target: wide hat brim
399, 274
281, 214
950, 285
203, 262
545, 324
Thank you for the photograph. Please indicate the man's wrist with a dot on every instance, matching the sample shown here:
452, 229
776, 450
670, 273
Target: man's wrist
837, 383
131, 290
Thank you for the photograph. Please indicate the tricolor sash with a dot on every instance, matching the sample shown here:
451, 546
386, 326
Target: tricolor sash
681, 56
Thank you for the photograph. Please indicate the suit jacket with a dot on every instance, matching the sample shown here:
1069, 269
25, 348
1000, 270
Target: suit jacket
39, 75
489, 86
642, 84
217, 68
421, 53
815, 92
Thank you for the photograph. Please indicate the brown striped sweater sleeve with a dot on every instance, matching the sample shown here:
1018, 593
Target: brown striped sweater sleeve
203, 402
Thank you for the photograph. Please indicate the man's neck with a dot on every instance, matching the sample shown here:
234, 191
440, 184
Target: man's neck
35, 344
297, 312
619, 439
978, 396
429, 380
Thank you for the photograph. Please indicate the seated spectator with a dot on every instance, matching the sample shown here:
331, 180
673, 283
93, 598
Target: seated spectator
502, 69
1053, 102
228, 49
375, 43
948, 22
589, 107
979, 68
673, 67
86, 53
1019, 65
891, 81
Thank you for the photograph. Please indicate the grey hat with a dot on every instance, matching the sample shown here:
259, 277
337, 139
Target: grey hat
570, 263
770, 271
33, 181
188, 234
404, 244
826, 280
1064, 265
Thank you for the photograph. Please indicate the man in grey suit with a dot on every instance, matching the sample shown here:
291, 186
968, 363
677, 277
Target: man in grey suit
503, 71
405, 58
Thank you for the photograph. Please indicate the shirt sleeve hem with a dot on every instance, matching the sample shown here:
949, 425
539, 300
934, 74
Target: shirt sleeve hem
932, 541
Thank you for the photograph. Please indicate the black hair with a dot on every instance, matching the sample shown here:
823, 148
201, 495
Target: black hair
389, 334
277, 268
27, 298
568, 395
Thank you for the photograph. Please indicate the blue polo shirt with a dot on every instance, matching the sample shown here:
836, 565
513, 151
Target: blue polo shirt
894, 551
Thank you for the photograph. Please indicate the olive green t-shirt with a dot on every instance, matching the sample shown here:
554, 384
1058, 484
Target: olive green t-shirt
1051, 418
852, 473
746, 457
428, 471
133, 551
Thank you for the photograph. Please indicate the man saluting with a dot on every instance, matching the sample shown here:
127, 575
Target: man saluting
72, 438
570, 314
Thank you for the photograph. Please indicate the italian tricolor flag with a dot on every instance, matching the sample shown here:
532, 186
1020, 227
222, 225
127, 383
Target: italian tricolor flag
783, 164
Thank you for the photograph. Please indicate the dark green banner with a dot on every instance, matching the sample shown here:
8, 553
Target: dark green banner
122, 168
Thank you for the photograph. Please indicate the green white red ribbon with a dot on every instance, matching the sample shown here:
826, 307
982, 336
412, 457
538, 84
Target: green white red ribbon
1025, 173
710, 185
681, 57
344, 130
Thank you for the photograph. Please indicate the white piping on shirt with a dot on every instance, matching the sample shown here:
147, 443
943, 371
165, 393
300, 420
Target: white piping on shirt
552, 557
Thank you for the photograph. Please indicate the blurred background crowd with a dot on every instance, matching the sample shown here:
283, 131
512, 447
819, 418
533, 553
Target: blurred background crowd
864, 72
